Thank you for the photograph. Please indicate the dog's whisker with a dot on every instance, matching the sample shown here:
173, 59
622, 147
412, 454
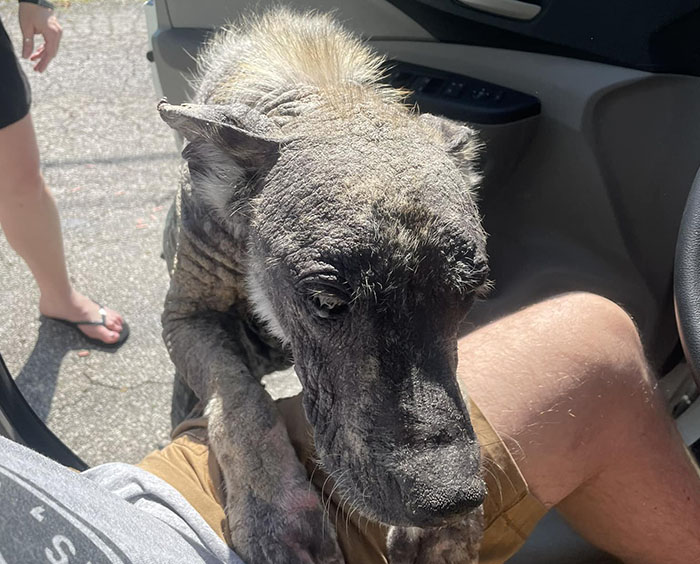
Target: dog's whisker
348, 514
313, 473
502, 472
323, 505
513, 440
337, 508
495, 479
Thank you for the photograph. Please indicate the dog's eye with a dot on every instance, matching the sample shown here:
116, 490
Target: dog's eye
326, 305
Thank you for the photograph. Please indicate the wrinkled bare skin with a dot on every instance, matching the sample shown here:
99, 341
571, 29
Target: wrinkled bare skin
321, 221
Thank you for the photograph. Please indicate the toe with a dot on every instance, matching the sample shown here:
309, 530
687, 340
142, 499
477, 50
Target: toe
110, 332
111, 337
114, 320
113, 325
101, 332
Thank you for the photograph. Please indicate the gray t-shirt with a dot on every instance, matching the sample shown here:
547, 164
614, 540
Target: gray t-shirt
111, 513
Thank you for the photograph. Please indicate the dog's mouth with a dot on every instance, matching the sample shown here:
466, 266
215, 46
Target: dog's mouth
414, 485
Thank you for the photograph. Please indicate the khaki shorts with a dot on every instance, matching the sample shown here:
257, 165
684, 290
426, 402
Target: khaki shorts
510, 511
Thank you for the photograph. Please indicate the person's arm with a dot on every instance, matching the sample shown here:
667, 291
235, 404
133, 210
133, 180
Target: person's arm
37, 17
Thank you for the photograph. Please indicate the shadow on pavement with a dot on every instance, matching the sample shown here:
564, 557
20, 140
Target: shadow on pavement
38, 377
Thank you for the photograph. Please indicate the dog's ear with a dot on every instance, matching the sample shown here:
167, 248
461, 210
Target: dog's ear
245, 136
229, 149
460, 141
459, 138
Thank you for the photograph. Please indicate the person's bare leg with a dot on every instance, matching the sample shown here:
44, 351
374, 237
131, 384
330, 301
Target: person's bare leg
566, 384
30, 221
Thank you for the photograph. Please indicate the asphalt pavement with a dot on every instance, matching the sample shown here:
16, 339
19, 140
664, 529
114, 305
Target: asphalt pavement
112, 166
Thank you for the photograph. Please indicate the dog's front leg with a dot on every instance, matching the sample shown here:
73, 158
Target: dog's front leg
458, 542
274, 516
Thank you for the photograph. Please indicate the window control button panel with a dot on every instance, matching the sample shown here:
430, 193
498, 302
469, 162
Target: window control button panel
461, 97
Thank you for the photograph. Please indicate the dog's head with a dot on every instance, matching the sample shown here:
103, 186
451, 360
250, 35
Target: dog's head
366, 252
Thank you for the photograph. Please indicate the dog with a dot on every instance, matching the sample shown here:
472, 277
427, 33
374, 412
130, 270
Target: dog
322, 221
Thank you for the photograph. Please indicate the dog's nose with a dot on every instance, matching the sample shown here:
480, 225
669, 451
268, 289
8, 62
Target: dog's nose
434, 505
440, 485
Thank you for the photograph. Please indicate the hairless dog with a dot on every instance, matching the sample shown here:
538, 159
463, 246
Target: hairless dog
322, 221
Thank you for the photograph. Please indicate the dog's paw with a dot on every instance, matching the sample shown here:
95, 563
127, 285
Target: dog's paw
459, 542
292, 529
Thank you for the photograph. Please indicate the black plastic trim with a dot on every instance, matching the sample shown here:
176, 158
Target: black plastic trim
27, 428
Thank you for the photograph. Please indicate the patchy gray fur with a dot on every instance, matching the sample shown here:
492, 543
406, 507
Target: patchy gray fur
440, 545
319, 219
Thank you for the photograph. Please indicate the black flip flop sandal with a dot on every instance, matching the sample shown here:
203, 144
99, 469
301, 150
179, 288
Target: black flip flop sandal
76, 325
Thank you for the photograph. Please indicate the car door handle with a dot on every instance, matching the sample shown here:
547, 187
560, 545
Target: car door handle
506, 8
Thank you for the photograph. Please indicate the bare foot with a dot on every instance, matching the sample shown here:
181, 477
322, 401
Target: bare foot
82, 308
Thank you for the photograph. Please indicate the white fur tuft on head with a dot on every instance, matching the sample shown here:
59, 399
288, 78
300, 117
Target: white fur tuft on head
285, 49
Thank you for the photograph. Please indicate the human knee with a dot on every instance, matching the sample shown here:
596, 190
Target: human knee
604, 339
558, 348
600, 383
21, 179
24, 185
595, 387
613, 398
